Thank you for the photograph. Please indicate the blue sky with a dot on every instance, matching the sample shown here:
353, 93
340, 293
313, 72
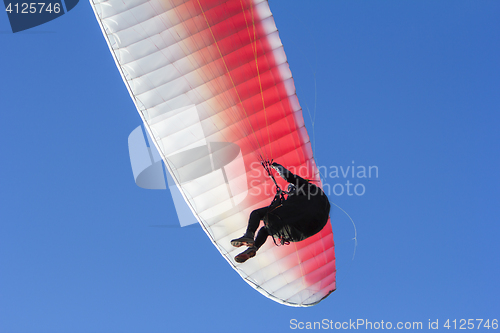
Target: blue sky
411, 87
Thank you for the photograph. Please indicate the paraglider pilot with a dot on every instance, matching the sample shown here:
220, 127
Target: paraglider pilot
303, 214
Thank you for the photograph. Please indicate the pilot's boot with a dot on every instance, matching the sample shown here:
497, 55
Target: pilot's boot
247, 240
245, 255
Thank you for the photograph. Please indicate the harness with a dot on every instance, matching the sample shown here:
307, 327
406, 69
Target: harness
283, 233
266, 164
282, 236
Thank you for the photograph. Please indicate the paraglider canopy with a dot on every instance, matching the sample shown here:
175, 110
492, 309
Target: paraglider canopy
212, 85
